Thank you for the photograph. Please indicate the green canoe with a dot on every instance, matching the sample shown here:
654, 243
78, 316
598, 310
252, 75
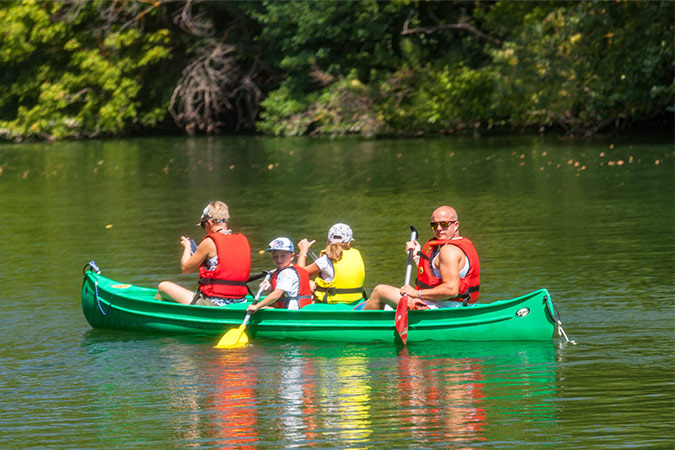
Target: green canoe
113, 305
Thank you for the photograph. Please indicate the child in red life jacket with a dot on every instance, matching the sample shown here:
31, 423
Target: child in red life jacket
289, 282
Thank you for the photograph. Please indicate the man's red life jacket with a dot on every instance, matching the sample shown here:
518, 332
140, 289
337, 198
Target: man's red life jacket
304, 292
469, 286
228, 279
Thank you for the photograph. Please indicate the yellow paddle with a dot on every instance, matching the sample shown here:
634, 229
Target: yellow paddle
236, 337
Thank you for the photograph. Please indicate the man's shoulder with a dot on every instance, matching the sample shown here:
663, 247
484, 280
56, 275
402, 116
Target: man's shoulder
450, 251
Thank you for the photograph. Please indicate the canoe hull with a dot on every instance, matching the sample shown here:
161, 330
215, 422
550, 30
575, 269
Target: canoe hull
112, 305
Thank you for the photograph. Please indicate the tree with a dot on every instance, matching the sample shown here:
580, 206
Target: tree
64, 77
583, 66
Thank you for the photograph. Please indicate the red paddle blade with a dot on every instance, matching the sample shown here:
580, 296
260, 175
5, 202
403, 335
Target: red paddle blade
401, 318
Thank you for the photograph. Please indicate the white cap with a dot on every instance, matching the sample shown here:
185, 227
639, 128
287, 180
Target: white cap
281, 243
340, 233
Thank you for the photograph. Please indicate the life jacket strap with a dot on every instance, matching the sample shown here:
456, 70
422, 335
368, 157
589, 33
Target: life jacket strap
226, 282
421, 285
334, 290
465, 296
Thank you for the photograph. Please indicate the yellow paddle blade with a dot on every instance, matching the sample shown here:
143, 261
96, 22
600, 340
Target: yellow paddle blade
235, 337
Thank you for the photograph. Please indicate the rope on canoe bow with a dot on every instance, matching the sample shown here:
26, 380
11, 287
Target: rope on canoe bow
556, 318
98, 302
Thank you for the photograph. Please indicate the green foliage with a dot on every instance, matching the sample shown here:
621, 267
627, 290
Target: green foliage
284, 114
338, 37
580, 66
76, 69
584, 65
344, 107
383, 80
409, 102
62, 82
431, 100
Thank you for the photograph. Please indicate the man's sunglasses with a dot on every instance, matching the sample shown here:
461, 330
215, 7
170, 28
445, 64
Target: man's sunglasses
444, 224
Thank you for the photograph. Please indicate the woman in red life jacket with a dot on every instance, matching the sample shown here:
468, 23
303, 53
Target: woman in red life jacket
223, 259
448, 270
289, 282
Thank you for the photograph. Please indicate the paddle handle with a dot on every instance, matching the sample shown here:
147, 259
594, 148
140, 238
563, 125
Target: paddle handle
411, 252
268, 274
246, 319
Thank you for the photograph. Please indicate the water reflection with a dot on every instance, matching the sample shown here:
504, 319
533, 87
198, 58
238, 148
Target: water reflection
234, 401
353, 397
443, 397
322, 395
291, 392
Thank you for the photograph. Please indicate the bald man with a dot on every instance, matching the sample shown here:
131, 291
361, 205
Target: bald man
448, 270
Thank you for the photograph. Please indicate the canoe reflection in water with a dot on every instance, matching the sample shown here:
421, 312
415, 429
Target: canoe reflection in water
363, 396
235, 401
217, 404
443, 397
349, 399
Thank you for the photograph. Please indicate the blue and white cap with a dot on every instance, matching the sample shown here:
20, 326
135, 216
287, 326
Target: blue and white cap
340, 233
281, 243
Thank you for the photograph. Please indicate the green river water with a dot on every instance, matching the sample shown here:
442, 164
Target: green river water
591, 221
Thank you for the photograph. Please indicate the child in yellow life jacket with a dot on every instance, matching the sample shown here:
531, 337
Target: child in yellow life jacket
289, 283
340, 271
